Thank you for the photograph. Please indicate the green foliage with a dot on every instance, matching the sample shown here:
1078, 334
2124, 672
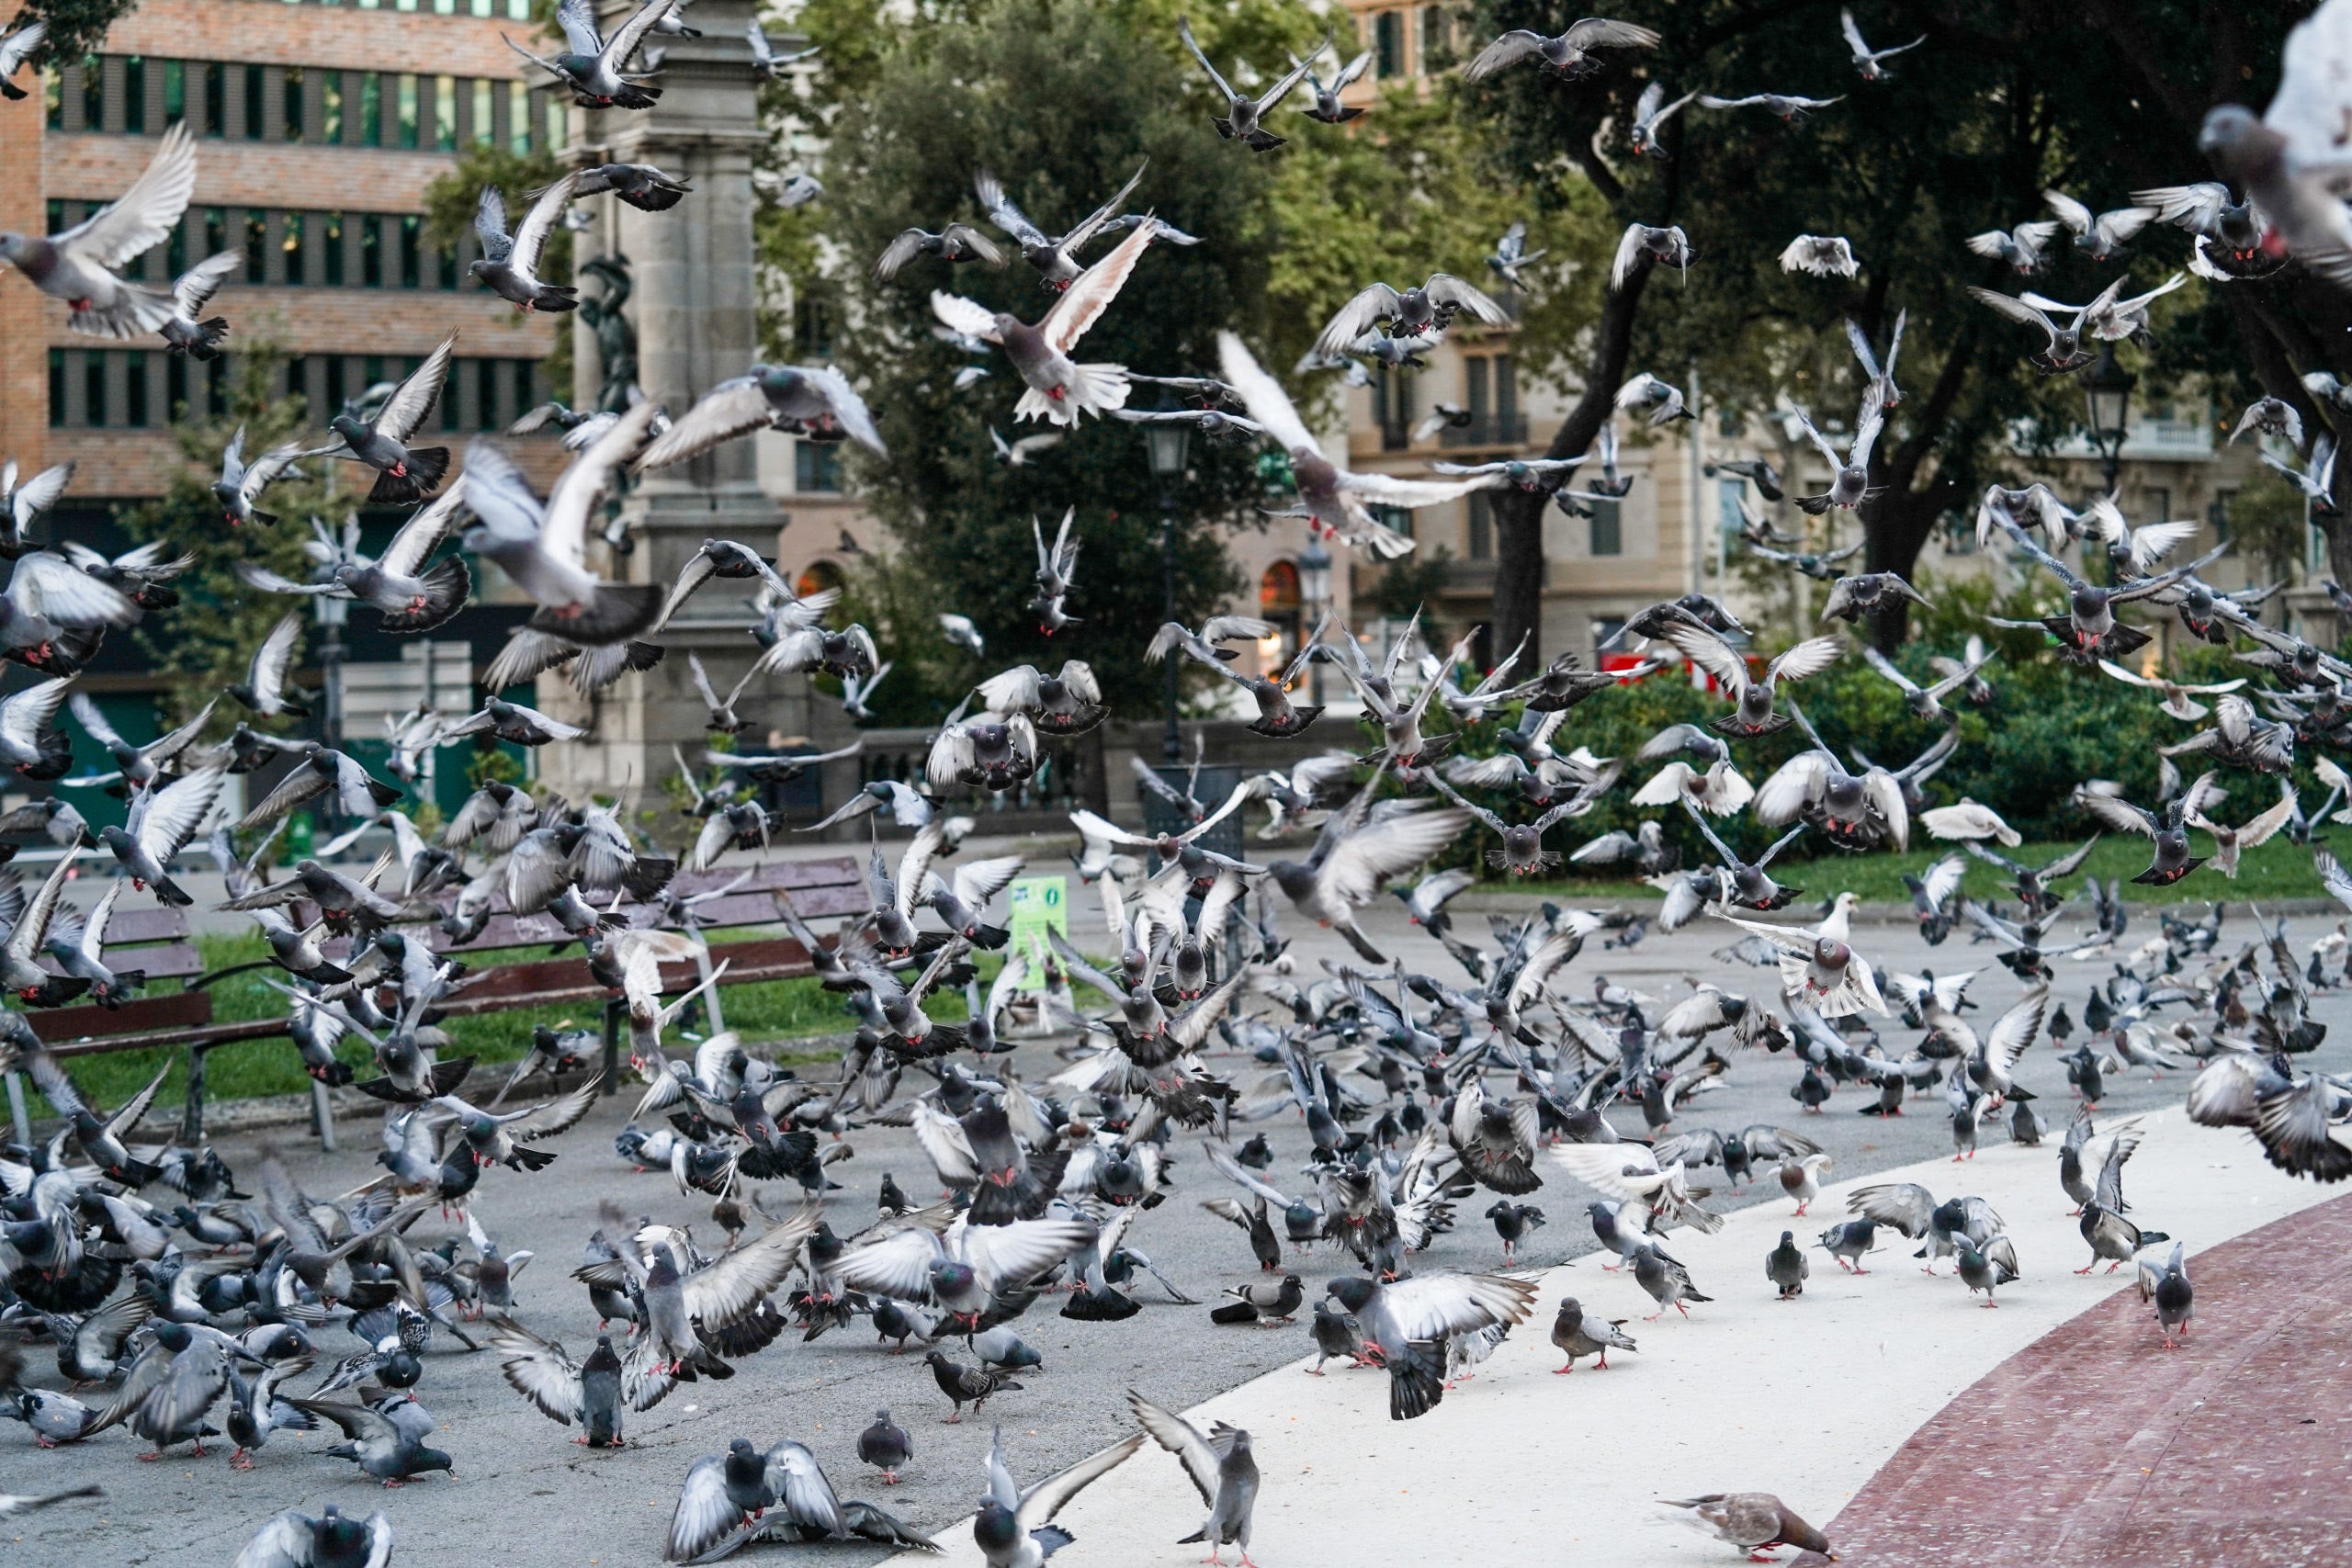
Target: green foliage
492, 764
1064, 103
2269, 522
893, 596
77, 28
206, 641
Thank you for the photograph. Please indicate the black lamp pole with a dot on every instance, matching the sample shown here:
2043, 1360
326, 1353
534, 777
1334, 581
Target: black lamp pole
1166, 442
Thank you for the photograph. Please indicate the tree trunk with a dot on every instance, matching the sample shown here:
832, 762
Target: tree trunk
1519, 514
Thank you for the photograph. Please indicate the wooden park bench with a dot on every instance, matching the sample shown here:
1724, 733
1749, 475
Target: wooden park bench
157, 941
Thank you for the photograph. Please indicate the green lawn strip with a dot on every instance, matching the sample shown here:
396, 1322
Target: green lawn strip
2275, 870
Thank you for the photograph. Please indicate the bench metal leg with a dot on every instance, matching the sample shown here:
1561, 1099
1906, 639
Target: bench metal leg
613, 1009
710, 992
17, 1114
322, 1115
192, 1116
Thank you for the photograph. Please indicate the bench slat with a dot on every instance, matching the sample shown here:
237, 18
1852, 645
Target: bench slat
162, 923
173, 962
64, 1027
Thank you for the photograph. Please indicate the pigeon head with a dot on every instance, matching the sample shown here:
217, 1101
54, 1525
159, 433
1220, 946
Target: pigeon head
173, 1336
1352, 1292
996, 1528
348, 426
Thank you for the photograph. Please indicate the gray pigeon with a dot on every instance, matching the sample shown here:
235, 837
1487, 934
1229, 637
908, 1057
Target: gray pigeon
1665, 1279
540, 545
79, 265
509, 264
885, 1446
1786, 1267
386, 1447
642, 185
1058, 390
1054, 257
1577, 1335
591, 65
815, 401
1243, 114
1220, 1467
2175, 1299
241, 483
402, 473
188, 331
1850, 1242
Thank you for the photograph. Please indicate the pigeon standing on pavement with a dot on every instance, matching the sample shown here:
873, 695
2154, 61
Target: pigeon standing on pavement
1220, 1466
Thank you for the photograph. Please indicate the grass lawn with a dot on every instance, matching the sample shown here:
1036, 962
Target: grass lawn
2275, 870
772, 1011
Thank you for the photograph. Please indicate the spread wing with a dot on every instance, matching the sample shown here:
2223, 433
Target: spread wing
405, 411
1262, 395
422, 534
144, 216
196, 287
1432, 1306
966, 316
1365, 860
531, 239
1086, 298
1003, 213
734, 1285
1184, 1440
1040, 1503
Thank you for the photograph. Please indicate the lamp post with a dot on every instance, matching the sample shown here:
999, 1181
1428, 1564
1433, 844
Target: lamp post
1167, 442
1315, 588
2106, 389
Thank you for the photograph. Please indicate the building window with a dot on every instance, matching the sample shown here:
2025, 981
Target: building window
216, 387
371, 109
134, 388
175, 386
93, 92
484, 107
2218, 514
216, 99
256, 245
812, 327
408, 112
518, 115
1507, 399
1388, 44
445, 113
134, 95
56, 218
1392, 393
331, 392
1608, 533
331, 106
558, 128
371, 254
56, 388
815, 466
1730, 515
411, 251
176, 251
216, 233
486, 394
1395, 519
1436, 38
290, 120
1474, 394
1279, 602
331, 248
254, 130
293, 246
53, 97
1605, 629
446, 263
2159, 505
175, 91
1481, 543
94, 389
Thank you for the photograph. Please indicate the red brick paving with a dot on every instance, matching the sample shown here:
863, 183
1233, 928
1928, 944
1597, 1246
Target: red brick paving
2097, 1446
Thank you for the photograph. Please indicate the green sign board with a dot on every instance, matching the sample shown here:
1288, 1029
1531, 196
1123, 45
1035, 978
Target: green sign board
1040, 904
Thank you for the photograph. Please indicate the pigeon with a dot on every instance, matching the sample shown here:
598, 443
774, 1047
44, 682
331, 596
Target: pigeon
764, 58
1752, 1521
15, 50
642, 185
1569, 55
81, 265
241, 483
1057, 390
1243, 117
1327, 106
189, 330
965, 1385
1661, 400
1643, 243
1752, 699
402, 473
885, 1446
1219, 1465
955, 243
2025, 247
1577, 1334
2284, 160
295, 1540
1786, 1268
1054, 257
1868, 61
509, 264
595, 68
1822, 255
1788, 106
2101, 236
1650, 112
540, 545
1427, 307
1405, 1322
1850, 1242
1014, 1526
1337, 501
1849, 474
161, 822
2170, 1288
815, 401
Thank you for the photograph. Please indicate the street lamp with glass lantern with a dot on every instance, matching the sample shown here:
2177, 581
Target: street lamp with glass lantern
1167, 442
2106, 389
1314, 590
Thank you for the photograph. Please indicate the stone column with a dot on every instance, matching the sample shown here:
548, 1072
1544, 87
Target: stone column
693, 304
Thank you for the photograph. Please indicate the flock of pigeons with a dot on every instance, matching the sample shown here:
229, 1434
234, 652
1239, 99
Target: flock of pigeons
205, 1303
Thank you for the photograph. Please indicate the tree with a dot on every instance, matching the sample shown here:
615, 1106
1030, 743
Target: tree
1961, 137
204, 643
452, 199
1062, 102
77, 28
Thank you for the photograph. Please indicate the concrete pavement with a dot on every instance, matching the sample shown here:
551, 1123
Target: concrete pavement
560, 1504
